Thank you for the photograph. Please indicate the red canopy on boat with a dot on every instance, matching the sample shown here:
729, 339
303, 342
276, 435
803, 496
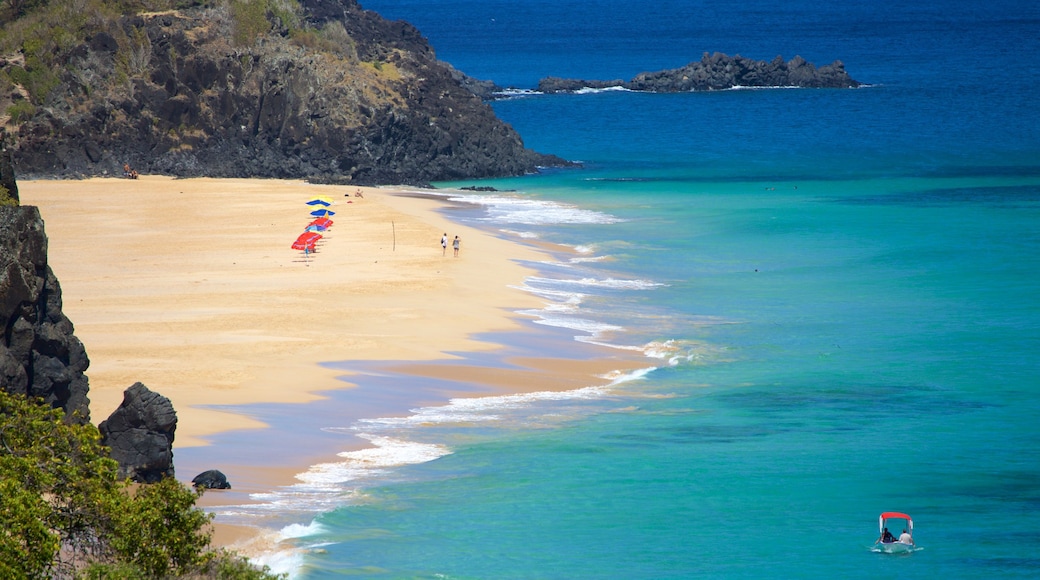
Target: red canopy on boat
895, 515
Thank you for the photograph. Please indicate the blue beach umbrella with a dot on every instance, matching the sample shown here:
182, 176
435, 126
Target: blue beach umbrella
320, 202
323, 213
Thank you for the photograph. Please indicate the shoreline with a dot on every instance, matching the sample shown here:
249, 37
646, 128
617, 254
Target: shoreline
189, 286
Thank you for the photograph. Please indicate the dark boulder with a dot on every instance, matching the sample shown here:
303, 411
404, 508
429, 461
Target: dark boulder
212, 479
140, 433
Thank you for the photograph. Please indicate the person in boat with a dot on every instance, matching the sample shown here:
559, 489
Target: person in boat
906, 538
886, 537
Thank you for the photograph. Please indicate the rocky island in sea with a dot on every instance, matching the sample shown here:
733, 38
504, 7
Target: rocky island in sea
719, 72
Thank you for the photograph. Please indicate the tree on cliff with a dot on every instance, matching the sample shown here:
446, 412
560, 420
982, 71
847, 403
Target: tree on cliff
64, 513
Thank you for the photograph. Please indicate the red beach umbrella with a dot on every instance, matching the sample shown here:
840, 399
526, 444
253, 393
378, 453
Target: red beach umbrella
322, 222
306, 241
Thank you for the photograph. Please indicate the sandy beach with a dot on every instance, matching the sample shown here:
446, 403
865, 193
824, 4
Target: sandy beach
190, 287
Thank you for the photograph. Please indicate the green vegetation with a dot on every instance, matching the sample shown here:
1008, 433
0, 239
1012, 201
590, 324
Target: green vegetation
255, 18
5, 198
44, 32
65, 514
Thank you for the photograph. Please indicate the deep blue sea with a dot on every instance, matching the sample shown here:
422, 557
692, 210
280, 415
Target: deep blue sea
837, 292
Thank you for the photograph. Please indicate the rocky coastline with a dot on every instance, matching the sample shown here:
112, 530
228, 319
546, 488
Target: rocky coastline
345, 97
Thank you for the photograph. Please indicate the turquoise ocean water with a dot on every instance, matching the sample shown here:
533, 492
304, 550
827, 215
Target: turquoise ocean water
837, 292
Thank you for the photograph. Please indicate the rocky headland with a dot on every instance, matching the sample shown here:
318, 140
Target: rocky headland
329, 92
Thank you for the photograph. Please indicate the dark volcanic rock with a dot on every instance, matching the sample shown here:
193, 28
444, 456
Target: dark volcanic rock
719, 71
140, 433
39, 354
560, 85
212, 479
7, 180
366, 102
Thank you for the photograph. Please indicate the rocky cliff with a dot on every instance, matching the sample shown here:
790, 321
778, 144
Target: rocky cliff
40, 355
329, 93
717, 72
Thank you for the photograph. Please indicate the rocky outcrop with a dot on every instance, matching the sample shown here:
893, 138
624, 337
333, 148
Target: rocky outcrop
140, 433
211, 479
717, 72
40, 355
351, 97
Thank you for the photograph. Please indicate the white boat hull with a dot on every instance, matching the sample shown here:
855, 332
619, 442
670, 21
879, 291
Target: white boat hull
894, 547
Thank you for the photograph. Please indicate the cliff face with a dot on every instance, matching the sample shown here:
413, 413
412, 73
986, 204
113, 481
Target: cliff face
40, 355
349, 97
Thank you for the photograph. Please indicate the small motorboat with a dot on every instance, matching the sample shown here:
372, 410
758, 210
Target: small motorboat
895, 544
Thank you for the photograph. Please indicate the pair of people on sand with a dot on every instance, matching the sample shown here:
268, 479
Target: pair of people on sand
454, 245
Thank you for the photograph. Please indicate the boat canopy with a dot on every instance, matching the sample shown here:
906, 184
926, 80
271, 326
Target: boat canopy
895, 516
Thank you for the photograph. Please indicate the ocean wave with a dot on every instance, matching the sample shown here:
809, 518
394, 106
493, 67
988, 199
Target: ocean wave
592, 327
589, 282
560, 296
594, 90
526, 211
521, 235
513, 93
474, 409
388, 452
759, 88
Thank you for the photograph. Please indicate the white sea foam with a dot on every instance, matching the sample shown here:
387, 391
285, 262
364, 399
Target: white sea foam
620, 377
592, 327
608, 283
300, 530
474, 409
527, 211
288, 562
763, 88
387, 453
514, 93
592, 91
556, 294
521, 235
585, 260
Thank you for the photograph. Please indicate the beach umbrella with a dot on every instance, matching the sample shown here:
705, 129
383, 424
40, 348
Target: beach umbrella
306, 241
319, 201
323, 213
322, 221
315, 228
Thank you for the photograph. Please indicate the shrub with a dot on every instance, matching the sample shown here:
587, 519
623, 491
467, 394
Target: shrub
64, 512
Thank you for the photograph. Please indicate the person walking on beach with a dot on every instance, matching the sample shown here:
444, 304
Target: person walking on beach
444, 244
455, 245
